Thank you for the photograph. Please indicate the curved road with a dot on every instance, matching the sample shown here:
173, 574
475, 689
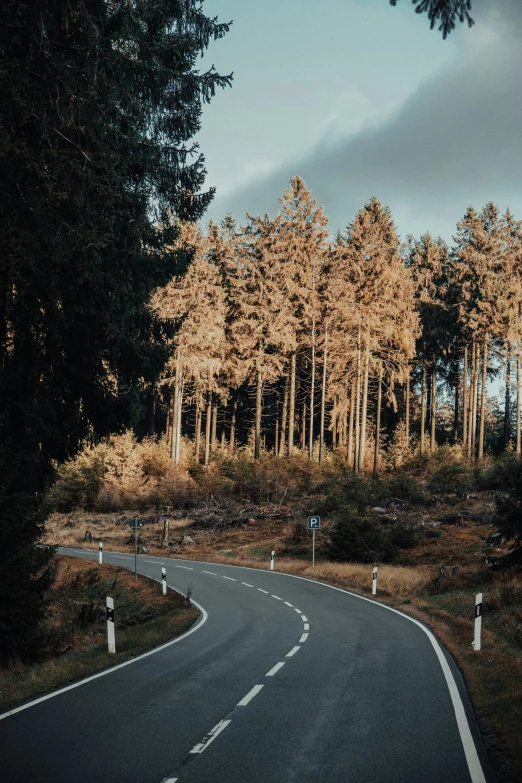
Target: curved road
283, 681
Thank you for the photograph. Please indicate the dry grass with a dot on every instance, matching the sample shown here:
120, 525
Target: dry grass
72, 649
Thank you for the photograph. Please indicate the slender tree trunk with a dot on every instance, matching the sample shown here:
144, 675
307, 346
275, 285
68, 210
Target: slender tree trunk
174, 420
291, 412
378, 426
197, 438
357, 406
465, 397
423, 401
350, 426
168, 426
483, 399
208, 428
323, 397
470, 400
407, 407
223, 436
456, 402
428, 401
507, 398
433, 404
178, 422
233, 427
475, 400
364, 411
276, 444
259, 397
518, 398
213, 444
284, 416
151, 412
312, 395
303, 428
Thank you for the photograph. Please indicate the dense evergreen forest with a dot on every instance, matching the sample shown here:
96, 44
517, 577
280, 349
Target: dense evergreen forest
286, 340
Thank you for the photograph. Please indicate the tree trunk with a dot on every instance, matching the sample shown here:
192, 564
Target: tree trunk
357, 406
423, 401
518, 398
433, 404
276, 444
178, 422
323, 398
151, 412
377, 426
223, 436
470, 400
475, 400
407, 407
174, 420
168, 426
350, 426
257, 434
465, 397
197, 437
364, 411
312, 395
284, 416
456, 406
303, 428
483, 399
233, 427
291, 412
213, 444
507, 398
207, 428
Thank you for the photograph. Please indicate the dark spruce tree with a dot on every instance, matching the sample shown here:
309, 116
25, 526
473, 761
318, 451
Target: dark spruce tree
445, 13
99, 101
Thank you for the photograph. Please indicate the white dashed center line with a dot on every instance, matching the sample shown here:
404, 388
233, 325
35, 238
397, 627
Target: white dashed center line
250, 695
121, 557
230, 579
209, 572
306, 627
293, 651
246, 584
156, 562
187, 568
275, 669
303, 638
211, 736
304, 618
290, 605
263, 591
277, 598
297, 610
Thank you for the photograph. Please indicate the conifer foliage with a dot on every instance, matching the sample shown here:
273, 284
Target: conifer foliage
99, 103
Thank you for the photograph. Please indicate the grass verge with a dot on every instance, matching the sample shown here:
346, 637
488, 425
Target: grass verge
74, 635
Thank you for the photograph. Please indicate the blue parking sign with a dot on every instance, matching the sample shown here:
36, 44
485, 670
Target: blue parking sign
314, 523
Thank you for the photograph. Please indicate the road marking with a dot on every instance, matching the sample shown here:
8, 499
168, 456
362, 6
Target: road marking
303, 638
250, 695
230, 579
304, 618
275, 669
306, 627
277, 598
170, 780
187, 568
297, 610
113, 668
290, 605
209, 572
122, 557
293, 651
155, 562
246, 584
210, 737
263, 591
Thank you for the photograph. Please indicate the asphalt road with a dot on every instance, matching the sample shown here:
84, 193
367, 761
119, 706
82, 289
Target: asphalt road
285, 680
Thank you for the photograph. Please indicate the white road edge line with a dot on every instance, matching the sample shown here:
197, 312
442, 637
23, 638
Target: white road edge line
293, 651
209, 572
230, 579
275, 669
210, 737
303, 638
113, 668
154, 562
306, 626
250, 695
263, 591
169, 780
246, 584
121, 557
304, 618
290, 605
277, 597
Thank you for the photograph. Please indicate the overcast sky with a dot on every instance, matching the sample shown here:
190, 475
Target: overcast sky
360, 98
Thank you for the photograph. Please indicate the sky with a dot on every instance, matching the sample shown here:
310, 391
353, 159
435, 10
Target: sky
360, 99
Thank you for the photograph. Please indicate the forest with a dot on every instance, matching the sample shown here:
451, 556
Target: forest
286, 340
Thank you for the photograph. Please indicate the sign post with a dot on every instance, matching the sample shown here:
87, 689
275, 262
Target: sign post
374, 581
111, 639
314, 523
272, 560
100, 553
135, 523
164, 581
478, 622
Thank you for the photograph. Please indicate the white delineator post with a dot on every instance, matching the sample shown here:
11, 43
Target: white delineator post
111, 639
100, 553
374, 581
164, 581
272, 560
478, 622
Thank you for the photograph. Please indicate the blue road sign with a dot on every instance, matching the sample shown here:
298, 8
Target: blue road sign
314, 523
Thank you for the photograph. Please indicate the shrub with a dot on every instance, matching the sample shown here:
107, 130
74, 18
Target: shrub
364, 540
453, 477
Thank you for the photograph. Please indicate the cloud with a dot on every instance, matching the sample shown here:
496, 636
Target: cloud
457, 140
